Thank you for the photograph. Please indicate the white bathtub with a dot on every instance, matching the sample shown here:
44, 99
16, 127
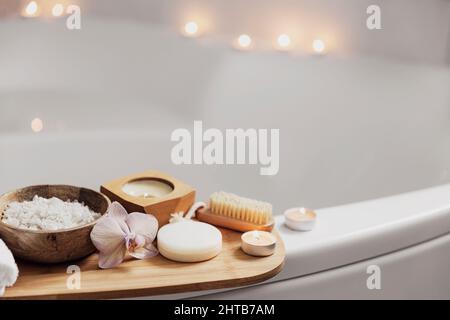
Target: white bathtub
351, 130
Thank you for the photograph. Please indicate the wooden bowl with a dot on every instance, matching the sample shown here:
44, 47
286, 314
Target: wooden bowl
51, 246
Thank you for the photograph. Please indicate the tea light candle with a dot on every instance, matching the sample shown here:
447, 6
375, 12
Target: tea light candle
147, 188
301, 219
258, 243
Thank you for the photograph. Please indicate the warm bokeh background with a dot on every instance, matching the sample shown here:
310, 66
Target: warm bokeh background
370, 118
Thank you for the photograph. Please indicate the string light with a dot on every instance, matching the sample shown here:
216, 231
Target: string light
244, 41
37, 125
284, 41
191, 29
57, 10
31, 9
318, 46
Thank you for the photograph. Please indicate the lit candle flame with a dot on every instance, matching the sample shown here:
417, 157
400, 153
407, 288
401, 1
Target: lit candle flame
244, 41
191, 29
37, 125
284, 41
31, 9
57, 10
319, 46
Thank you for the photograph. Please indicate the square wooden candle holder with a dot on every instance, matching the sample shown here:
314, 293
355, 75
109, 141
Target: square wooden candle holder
176, 197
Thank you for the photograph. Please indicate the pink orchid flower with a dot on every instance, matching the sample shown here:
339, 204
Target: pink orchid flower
118, 233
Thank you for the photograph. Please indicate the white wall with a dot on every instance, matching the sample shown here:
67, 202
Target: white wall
351, 128
412, 29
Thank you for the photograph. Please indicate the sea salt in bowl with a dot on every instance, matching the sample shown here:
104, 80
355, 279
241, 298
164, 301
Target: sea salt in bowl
51, 246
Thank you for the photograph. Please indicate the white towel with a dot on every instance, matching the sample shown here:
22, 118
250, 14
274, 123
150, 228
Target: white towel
8, 268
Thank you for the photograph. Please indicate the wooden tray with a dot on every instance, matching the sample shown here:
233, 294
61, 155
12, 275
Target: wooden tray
133, 278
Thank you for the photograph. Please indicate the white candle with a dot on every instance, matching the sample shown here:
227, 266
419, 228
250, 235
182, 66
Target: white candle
301, 219
258, 243
147, 188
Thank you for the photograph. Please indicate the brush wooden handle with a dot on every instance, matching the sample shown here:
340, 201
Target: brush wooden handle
205, 215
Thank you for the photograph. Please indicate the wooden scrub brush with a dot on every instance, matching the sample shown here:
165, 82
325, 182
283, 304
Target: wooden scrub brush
237, 213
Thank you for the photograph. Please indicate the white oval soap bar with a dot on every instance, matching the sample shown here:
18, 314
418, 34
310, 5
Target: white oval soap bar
189, 241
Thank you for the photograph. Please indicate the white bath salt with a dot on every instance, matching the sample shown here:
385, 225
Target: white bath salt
48, 214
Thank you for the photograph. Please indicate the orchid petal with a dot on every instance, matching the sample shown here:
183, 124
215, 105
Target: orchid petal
146, 252
117, 211
143, 224
112, 259
118, 232
107, 235
109, 238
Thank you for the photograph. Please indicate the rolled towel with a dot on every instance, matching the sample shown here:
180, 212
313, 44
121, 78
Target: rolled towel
8, 268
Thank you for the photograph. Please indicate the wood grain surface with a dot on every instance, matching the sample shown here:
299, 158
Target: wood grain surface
134, 278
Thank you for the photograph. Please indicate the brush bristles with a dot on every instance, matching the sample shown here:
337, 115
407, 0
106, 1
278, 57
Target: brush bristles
239, 208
